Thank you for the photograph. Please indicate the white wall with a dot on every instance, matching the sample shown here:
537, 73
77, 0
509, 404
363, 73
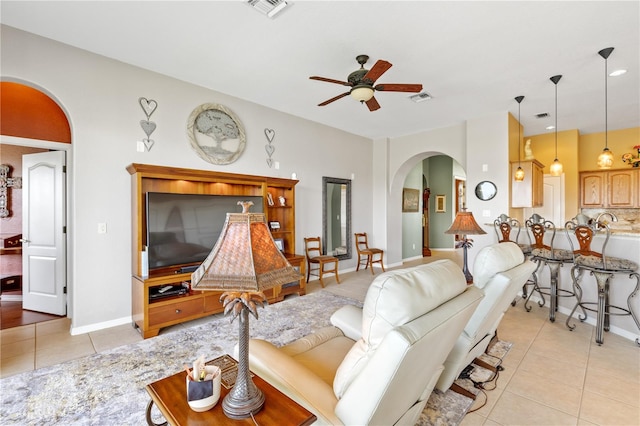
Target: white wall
101, 98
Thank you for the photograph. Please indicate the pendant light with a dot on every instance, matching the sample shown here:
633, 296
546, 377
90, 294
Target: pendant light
605, 159
519, 175
556, 168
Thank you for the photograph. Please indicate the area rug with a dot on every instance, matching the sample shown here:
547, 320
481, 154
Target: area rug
107, 388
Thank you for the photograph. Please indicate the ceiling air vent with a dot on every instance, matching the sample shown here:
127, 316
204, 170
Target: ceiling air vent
268, 7
419, 97
542, 115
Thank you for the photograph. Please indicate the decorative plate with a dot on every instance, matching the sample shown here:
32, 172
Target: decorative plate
216, 134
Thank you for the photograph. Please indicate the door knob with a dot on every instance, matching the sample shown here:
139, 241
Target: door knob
24, 240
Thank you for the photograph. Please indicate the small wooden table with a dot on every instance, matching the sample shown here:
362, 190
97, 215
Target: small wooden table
170, 396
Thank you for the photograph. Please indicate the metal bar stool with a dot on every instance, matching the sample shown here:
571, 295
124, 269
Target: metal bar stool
547, 255
603, 268
504, 227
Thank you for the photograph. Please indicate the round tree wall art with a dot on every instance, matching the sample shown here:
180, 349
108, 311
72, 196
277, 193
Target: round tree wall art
216, 134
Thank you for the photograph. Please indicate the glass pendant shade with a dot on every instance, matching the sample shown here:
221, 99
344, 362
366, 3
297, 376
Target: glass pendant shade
362, 93
605, 159
519, 175
556, 168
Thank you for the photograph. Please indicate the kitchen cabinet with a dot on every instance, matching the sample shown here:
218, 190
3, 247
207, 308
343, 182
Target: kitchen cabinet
529, 192
610, 189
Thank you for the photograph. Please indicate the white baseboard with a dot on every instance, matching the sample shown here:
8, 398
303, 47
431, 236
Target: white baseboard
590, 320
11, 297
100, 325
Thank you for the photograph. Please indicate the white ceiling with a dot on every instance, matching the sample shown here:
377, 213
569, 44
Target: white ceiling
472, 57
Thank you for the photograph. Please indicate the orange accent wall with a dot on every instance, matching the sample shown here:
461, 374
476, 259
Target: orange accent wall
28, 113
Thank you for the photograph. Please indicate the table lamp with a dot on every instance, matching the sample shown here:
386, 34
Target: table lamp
464, 224
243, 263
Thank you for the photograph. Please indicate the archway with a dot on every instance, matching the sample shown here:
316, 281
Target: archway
31, 121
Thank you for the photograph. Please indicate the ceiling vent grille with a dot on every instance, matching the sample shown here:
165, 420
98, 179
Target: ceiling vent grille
268, 7
419, 97
542, 115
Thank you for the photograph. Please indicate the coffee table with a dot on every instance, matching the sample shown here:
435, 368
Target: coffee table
170, 396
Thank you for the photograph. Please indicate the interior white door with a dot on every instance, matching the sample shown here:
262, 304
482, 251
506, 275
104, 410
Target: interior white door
44, 273
553, 207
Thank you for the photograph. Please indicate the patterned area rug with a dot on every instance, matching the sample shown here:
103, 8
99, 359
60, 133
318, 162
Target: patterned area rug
108, 388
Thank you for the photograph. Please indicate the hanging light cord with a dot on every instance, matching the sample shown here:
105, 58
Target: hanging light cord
556, 84
519, 144
606, 107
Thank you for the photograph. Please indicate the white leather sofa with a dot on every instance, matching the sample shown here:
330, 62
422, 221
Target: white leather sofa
379, 364
499, 270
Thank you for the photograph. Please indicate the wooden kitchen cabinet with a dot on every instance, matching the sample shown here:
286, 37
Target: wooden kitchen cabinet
609, 189
529, 192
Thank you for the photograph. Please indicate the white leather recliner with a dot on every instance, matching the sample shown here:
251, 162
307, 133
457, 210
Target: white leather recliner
379, 364
499, 271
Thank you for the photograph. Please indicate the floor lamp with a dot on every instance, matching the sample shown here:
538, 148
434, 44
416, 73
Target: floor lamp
464, 224
244, 262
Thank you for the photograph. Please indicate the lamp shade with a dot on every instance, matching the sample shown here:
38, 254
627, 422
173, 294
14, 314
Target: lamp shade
556, 168
605, 159
519, 175
465, 224
245, 258
362, 93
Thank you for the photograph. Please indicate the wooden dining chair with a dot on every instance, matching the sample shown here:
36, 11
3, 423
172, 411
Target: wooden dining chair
316, 261
367, 254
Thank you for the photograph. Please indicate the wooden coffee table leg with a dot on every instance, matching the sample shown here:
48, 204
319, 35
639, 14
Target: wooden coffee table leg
150, 421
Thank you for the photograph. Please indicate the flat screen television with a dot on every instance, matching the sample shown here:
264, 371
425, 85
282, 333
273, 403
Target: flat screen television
183, 228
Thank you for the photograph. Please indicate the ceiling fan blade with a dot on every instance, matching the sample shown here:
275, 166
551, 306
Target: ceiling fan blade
399, 87
334, 99
373, 104
377, 70
329, 80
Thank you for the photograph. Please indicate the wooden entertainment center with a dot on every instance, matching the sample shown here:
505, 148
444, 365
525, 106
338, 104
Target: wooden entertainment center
152, 315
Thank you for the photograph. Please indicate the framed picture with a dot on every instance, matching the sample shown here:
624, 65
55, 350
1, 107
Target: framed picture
441, 203
279, 243
275, 226
410, 200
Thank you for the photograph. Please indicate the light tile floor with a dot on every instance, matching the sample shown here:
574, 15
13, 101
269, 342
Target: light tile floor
552, 376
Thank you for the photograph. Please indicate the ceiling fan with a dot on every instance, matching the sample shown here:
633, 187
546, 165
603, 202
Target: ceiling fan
361, 82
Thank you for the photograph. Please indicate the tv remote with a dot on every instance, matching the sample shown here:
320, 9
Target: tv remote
165, 288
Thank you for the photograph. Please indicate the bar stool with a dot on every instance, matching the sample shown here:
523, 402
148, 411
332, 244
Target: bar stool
504, 227
603, 268
547, 255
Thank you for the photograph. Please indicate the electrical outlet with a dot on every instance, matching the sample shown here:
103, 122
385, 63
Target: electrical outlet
102, 228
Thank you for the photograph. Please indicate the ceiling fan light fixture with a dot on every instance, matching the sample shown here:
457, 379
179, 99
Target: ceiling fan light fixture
362, 92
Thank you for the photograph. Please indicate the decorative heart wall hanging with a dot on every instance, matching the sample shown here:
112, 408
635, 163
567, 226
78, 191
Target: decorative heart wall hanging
270, 134
147, 126
148, 106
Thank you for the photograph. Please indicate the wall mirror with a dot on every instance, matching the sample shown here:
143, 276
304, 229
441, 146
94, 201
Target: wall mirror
486, 190
336, 217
